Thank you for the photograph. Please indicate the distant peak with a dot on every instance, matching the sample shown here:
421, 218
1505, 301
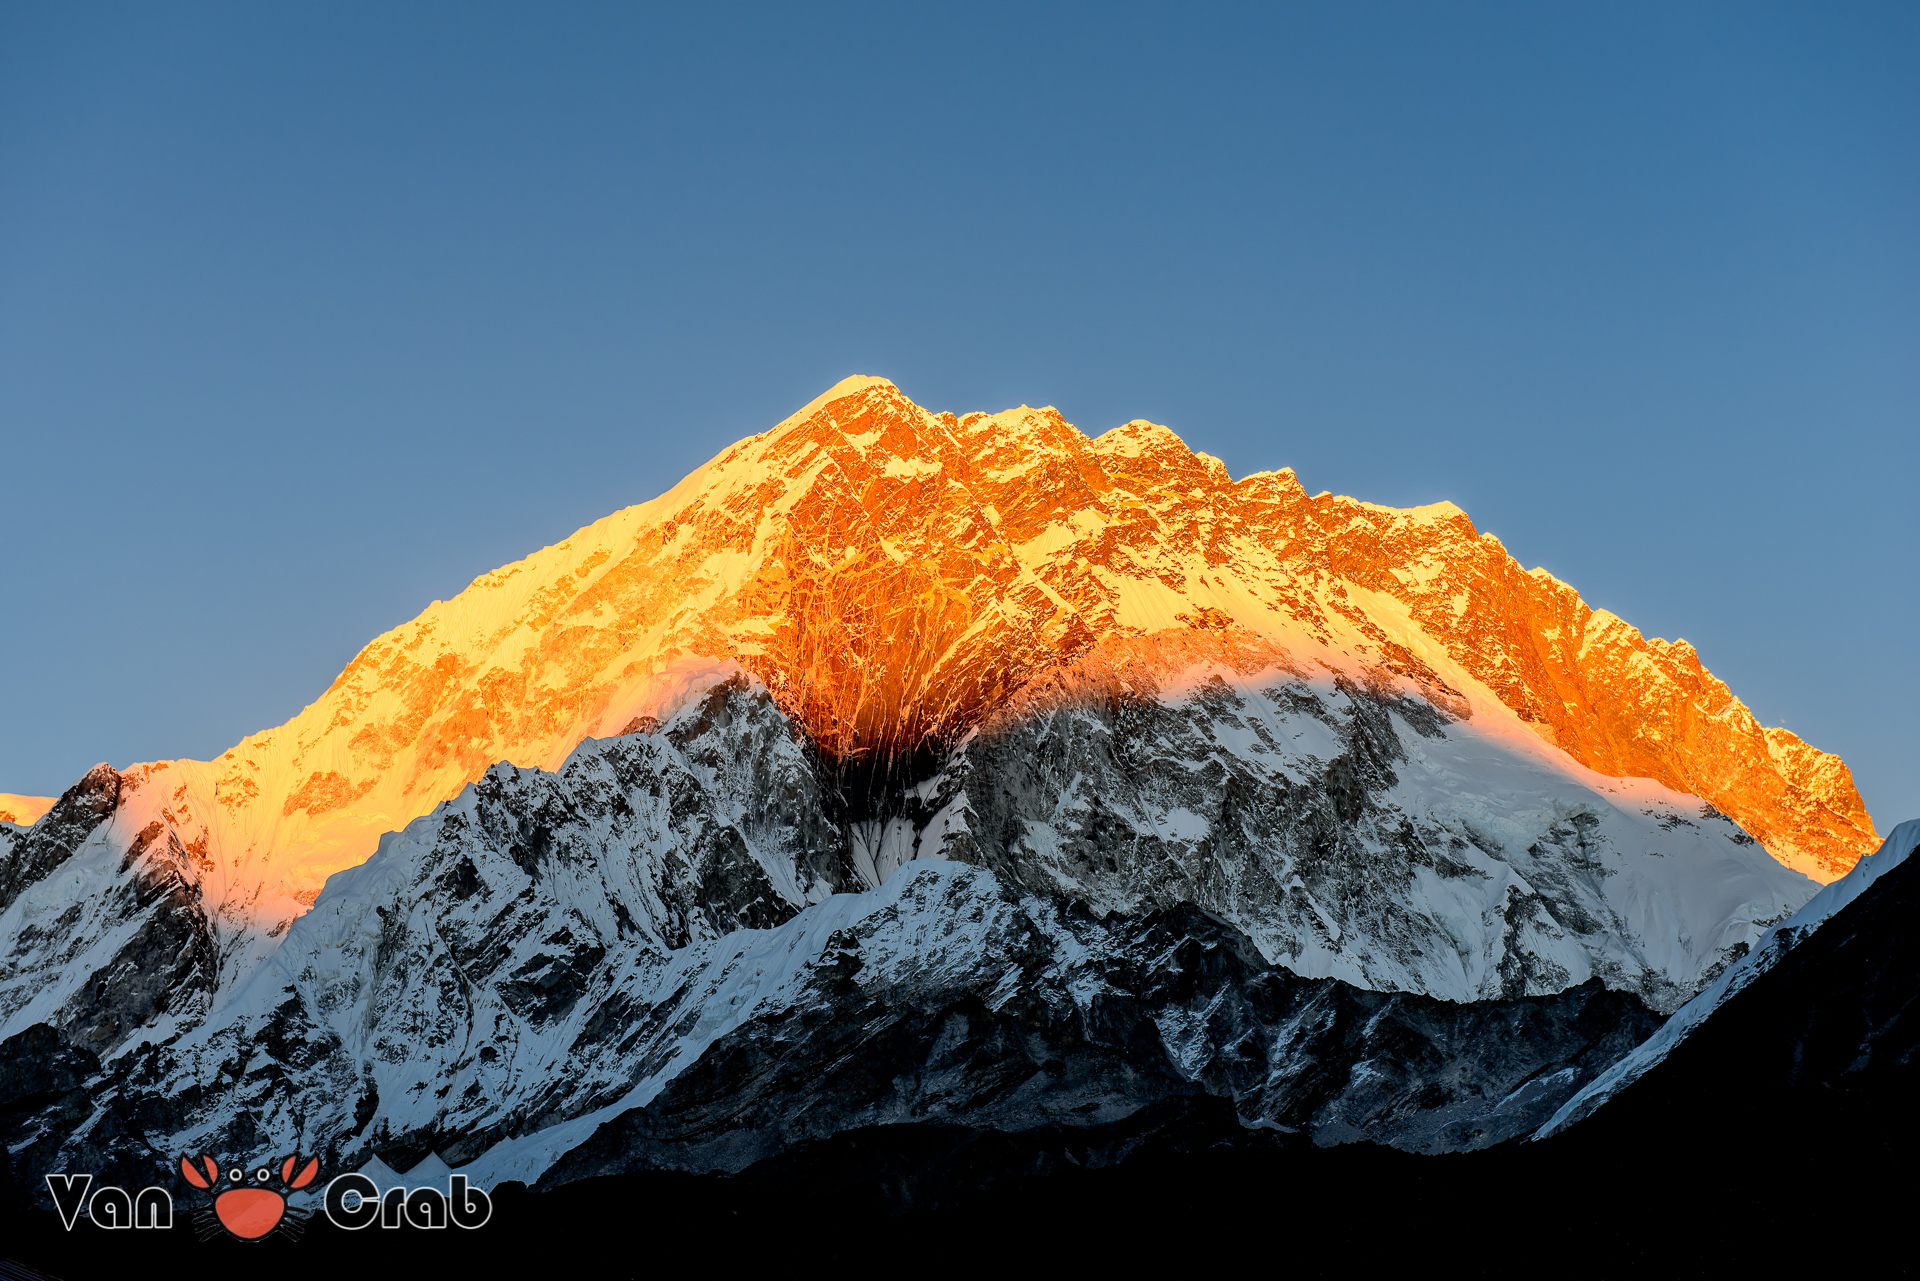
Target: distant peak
23, 810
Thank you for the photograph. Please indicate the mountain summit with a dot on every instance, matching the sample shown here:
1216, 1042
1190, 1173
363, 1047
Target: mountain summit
893, 576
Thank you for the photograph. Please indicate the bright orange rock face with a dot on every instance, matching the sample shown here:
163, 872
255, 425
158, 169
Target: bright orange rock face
895, 577
932, 565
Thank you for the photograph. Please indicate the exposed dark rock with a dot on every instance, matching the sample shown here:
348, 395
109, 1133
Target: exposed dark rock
52, 841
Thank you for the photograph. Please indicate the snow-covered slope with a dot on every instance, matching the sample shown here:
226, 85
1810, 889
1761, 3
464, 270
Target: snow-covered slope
1763, 956
1353, 830
669, 950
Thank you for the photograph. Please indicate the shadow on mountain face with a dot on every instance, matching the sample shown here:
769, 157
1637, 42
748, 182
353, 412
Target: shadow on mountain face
1777, 1135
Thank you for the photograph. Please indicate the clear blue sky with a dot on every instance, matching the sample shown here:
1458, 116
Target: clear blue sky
309, 314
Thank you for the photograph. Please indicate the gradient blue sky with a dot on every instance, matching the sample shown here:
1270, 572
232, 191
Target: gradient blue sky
309, 314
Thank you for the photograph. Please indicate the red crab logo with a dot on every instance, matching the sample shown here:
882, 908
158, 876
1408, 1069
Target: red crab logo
249, 1206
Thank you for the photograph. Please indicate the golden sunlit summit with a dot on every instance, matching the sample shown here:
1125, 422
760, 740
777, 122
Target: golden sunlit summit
896, 578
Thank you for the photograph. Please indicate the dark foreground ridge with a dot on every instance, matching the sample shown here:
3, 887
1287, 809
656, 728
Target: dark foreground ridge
1193, 1191
1778, 1134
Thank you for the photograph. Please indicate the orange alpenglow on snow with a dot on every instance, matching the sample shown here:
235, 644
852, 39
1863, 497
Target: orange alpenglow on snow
23, 809
896, 577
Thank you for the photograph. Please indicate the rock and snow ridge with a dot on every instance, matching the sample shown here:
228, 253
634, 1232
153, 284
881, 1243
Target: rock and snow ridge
659, 953
1765, 954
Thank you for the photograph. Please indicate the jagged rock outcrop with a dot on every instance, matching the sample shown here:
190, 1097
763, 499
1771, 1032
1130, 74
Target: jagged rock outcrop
68, 822
102, 926
103, 938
